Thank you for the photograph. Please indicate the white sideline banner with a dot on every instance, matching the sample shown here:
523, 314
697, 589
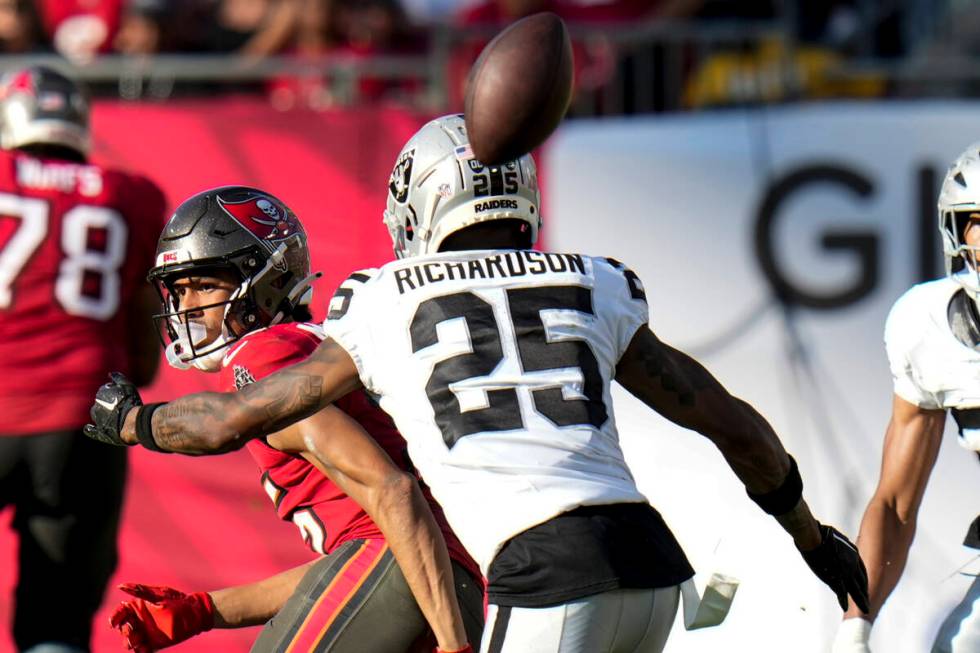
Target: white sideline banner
833, 206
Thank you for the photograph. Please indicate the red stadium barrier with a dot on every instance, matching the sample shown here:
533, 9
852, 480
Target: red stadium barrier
206, 523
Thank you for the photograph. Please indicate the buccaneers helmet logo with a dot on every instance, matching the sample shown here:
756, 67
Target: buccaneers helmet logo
261, 215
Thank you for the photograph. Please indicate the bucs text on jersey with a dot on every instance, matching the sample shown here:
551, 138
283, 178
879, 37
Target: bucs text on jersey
496, 366
300, 493
76, 241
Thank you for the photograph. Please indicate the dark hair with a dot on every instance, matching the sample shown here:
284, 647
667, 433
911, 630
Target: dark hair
49, 151
506, 233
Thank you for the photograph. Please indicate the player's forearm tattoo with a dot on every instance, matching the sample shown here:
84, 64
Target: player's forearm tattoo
284, 396
182, 424
215, 422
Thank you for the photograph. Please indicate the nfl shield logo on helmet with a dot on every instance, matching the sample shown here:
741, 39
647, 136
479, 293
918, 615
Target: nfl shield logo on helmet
262, 215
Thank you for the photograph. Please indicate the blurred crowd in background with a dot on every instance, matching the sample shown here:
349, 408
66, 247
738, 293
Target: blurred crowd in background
631, 55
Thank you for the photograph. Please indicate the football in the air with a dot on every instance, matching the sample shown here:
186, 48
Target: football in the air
519, 88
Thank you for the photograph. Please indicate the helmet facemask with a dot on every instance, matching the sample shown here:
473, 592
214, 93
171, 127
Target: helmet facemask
960, 258
185, 328
187, 334
959, 198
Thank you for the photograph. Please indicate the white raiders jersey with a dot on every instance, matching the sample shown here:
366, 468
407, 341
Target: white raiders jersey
496, 367
930, 366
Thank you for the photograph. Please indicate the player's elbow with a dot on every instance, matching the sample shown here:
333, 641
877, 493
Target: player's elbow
394, 491
900, 513
223, 431
222, 441
735, 427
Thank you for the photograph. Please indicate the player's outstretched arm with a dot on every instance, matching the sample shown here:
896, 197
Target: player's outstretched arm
158, 617
255, 603
683, 391
341, 449
888, 527
216, 422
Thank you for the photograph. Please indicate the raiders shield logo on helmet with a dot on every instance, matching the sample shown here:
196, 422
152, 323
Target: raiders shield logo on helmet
262, 215
401, 177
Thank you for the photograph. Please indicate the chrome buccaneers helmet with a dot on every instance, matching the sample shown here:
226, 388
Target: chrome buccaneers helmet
437, 188
244, 231
40, 106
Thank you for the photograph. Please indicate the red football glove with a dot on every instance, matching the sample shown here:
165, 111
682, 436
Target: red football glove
161, 616
465, 649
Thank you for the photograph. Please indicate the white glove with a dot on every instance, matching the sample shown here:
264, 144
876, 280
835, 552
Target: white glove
852, 636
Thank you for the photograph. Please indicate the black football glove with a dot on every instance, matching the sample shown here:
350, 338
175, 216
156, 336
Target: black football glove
837, 563
113, 402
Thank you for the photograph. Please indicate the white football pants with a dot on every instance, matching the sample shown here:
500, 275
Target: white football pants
960, 632
619, 621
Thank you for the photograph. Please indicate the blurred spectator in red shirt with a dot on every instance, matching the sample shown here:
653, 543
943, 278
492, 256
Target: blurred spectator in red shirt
502, 12
81, 29
142, 30
254, 28
20, 27
316, 33
352, 29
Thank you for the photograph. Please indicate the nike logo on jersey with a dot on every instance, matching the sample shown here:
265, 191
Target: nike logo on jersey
107, 405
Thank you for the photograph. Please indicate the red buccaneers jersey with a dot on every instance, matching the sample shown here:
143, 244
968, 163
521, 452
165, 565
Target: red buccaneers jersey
325, 515
76, 242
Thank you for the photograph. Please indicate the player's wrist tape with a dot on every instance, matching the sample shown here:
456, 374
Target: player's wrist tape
144, 427
785, 497
855, 630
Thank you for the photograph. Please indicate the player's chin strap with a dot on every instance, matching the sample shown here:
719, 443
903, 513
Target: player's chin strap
188, 334
711, 608
207, 359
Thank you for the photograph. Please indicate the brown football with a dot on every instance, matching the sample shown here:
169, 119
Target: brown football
519, 88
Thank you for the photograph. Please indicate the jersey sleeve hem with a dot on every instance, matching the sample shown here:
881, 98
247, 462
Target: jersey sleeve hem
351, 349
911, 394
630, 305
349, 325
630, 331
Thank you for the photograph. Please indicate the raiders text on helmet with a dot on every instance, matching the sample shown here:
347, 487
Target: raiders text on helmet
235, 229
438, 188
39, 106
